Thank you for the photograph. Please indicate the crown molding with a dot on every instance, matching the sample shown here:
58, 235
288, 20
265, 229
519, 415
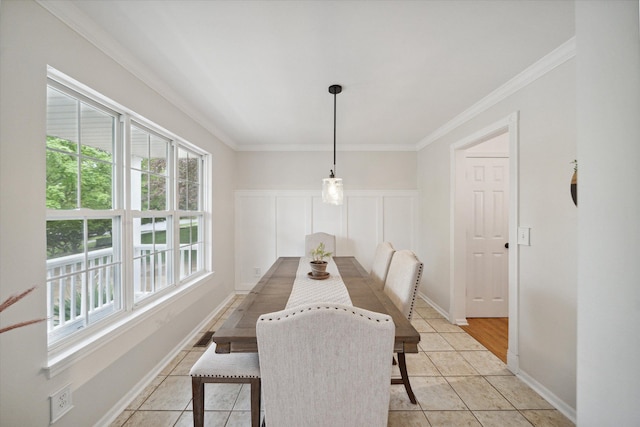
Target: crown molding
79, 22
555, 58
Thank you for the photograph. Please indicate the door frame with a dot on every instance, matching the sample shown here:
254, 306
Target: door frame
457, 296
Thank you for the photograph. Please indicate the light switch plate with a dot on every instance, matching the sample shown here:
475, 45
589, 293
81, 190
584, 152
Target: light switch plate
524, 236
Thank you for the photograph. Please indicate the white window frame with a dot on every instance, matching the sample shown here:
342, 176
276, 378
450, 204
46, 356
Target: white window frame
133, 310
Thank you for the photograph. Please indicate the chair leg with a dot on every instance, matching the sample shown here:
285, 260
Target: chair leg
402, 364
255, 402
197, 388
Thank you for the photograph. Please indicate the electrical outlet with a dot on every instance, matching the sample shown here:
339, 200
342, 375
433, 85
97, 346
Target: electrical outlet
257, 272
60, 403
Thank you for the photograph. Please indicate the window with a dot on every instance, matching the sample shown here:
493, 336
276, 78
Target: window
152, 221
124, 211
191, 214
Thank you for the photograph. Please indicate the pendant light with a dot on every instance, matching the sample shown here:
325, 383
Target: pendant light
332, 186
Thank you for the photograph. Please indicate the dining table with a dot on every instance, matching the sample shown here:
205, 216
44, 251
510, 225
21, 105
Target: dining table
273, 291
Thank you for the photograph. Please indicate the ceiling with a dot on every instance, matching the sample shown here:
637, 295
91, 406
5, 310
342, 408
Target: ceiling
256, 73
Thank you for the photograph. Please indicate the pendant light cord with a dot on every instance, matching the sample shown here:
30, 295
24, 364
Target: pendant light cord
335, 172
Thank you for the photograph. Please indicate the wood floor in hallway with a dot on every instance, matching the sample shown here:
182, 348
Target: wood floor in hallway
491, 332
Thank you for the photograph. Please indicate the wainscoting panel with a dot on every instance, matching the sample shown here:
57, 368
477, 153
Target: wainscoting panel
329, 219
364, 227
273, 223
293, 215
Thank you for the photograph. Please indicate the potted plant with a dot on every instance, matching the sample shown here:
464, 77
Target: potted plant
318, 264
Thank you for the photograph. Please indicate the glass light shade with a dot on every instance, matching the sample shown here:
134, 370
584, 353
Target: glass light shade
332, 191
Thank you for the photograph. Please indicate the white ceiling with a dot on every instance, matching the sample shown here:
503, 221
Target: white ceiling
256, 73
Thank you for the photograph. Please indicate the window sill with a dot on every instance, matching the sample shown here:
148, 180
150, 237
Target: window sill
61, 359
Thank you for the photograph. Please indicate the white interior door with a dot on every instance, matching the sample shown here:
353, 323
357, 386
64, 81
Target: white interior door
487, 263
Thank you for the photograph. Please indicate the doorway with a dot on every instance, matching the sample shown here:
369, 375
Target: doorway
483, 230
486, 176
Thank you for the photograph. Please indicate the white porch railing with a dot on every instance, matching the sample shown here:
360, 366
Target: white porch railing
69, 300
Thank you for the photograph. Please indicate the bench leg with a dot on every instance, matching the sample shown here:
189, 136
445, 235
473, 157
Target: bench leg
197, 388
255, 402
402, 364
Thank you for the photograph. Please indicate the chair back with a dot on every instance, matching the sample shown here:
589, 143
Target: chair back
311, 241
381, 262
403, 280
325, 365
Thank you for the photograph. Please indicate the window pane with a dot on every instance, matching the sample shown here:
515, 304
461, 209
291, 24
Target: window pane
152, 255
139, 149
96, 184
183, 164
97, 133
160, 228
158, 155
162, 263
66, 294
65, 238
62, 117
193, 197
194, 169
182, 195
149, 153
143, 192
188, 177
190, 245
157, 193
188, 230
100, 232
62, 176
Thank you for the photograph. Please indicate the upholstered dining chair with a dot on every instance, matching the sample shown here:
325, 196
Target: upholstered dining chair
381, 261
311, 241
212, 367
325, 365
401, 287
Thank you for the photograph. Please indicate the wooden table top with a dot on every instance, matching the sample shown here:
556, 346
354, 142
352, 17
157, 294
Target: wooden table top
271, 293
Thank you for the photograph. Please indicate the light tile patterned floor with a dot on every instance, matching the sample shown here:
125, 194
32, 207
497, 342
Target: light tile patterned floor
456, 380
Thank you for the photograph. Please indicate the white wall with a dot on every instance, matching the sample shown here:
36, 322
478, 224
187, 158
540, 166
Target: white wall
608, 120
31, 38
293, 170
548, 276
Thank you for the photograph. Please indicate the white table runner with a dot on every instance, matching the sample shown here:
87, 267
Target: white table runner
306, 290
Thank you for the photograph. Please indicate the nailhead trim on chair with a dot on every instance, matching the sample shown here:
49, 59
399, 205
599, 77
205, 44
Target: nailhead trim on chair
262, 319
227, 376
415, 292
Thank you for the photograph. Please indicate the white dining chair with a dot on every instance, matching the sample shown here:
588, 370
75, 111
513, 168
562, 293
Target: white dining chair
213, 367
381, 261
401, 287
311, 241
325, 365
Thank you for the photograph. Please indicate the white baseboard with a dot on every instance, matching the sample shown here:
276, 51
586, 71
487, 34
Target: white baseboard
439, 309
513, 362
558, 403
122, 404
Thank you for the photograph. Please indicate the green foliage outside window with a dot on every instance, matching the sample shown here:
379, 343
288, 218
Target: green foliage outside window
92, 171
